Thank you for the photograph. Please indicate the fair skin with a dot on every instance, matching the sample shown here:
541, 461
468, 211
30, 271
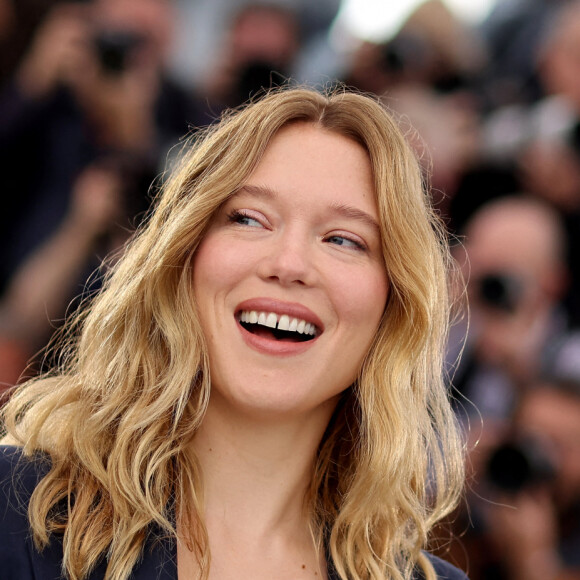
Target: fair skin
299, 240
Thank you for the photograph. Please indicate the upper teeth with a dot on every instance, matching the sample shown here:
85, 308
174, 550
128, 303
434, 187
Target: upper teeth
273, 320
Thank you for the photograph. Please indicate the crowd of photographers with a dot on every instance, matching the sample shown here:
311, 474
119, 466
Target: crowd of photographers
91, 115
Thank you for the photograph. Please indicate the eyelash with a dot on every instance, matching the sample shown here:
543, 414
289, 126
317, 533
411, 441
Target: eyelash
356, 244
237, 216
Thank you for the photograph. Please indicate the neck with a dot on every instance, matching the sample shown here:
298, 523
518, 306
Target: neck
256, 471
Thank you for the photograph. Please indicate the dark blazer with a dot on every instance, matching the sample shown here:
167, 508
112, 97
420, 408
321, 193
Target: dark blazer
19, 559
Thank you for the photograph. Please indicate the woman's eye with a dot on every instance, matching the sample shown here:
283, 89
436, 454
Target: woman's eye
345, 241
242, 218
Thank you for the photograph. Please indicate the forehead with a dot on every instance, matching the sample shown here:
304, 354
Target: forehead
136, 13
513, 235
304, 157
551, 410
321, 143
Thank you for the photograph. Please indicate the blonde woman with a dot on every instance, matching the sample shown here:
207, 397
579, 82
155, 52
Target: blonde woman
257, 391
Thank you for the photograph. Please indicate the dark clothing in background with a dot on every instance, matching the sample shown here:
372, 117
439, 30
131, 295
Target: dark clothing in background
45, 144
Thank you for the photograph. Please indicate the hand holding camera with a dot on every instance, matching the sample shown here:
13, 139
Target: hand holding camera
59, 52
106, 66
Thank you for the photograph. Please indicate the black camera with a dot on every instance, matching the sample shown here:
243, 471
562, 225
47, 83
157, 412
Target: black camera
114, 48
500, 291
519, 464
255, 78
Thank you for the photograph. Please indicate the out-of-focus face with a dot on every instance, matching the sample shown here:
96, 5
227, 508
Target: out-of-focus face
553, 418
266, 35
515, 277
151, 19
289, 281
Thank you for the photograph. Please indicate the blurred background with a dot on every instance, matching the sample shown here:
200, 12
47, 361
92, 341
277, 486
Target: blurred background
96, 97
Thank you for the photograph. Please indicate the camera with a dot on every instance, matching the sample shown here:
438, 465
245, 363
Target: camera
255, 78
499, 291
114, 47
519, 464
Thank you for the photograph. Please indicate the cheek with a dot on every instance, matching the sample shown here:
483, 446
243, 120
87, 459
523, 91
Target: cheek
364, 298
203, 272
217, 263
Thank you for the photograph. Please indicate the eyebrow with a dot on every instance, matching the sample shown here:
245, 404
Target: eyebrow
340, 209
256, 191
351, 212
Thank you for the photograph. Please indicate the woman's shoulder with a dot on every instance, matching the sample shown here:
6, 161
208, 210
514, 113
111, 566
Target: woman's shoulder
19, 557
19, 475
444, 570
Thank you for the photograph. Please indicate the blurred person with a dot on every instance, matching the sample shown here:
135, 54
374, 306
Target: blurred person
40, 292
513, 34
19, 20
407, 60
553, 115
427, 80
258, 52
549, 167
542, 138
542, 145
91, 83
455, 50
525, 128
373, 68
521, 515
202, 31
558, 61
444, 130
530, 492
514, 258
432, 49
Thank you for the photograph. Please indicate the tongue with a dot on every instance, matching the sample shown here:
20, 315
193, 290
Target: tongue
265, 332
262, 331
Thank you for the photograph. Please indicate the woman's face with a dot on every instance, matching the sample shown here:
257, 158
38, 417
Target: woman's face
289, 281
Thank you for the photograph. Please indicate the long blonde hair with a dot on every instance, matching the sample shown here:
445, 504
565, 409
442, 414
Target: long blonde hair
133, 386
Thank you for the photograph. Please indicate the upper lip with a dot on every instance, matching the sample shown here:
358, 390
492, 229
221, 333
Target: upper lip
292, 309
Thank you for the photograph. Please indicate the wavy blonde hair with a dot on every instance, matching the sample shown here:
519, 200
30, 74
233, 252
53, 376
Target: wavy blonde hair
117, 416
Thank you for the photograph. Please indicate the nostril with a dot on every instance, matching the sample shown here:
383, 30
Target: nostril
284, 279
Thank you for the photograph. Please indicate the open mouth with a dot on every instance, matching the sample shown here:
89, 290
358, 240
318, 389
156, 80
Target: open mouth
279, 327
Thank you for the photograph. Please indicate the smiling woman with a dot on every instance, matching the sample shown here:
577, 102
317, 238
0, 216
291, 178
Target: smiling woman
256, 393
287, 242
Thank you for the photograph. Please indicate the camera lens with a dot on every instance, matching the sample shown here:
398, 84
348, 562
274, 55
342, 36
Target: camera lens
114, 47
515, 466
499, 291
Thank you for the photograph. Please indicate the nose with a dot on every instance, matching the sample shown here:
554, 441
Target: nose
289, 260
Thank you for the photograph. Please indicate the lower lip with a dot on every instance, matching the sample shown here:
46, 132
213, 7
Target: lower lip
273, 346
